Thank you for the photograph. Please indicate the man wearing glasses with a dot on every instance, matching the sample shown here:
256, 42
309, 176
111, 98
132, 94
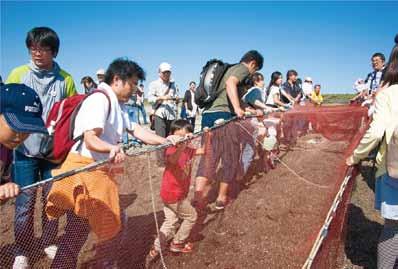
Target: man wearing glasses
52, 84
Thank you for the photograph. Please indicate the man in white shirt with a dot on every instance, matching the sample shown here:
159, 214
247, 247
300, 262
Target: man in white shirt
308, 87
100, 75
163, 96
102, 119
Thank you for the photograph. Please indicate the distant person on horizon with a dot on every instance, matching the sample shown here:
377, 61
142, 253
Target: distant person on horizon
88, 84
189, 103
316, 96
141, 103
275, 92
308, 87
374, 78
291, 87
372, 82
100, 75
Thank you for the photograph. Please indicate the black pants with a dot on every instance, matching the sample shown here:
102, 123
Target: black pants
192, 122
162, 126
76, 233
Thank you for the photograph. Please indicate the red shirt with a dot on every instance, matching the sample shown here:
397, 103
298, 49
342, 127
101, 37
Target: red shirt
176, 177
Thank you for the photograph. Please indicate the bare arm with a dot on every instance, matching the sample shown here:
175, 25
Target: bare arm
146, 136
232, 92
94, 143
288, 96
277, 100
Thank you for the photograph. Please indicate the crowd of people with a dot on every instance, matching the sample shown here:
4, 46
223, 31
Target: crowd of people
104, 122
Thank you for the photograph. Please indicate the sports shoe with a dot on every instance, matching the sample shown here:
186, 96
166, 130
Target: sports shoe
51, 251
21, 262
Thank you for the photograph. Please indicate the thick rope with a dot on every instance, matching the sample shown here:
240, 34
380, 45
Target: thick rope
154, 209
284, 164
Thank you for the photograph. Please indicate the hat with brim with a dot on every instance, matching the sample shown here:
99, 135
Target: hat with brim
22, 108
165, 67
23, 124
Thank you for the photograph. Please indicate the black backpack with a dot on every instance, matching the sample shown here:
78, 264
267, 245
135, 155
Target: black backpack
210, 79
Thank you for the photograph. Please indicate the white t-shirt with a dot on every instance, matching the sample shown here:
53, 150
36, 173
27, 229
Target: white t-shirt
307, 88
167, 110
94, 114
272, 92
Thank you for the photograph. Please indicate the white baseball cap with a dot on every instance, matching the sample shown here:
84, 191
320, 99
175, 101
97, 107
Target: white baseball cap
100, 71
308, 79
163, 67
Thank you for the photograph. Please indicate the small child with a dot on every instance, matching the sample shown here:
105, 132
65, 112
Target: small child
174, 191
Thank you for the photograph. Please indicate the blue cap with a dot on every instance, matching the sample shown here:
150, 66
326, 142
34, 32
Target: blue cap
22, 108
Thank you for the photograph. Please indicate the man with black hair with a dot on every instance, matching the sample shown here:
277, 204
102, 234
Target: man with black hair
225, 106
373, 79
292, 87
102, 119
52, 84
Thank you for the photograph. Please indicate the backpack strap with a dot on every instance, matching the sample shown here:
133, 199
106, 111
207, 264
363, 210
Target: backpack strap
80, 137
107, 97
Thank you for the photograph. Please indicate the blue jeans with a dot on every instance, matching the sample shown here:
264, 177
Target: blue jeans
26, 171
133, 116
141, 109
209, 118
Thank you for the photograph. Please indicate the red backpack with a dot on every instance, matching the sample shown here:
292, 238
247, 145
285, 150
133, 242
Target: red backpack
61, 125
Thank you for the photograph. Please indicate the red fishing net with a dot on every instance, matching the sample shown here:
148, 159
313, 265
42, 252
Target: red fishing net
283, 173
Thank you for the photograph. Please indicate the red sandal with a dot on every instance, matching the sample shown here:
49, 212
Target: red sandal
181, 247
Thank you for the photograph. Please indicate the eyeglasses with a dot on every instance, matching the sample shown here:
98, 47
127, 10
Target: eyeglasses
39, 50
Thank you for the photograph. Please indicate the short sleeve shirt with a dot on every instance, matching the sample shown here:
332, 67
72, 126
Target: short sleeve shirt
272, 92
254, 94
94, 114
177, 178
222, 103
294, 90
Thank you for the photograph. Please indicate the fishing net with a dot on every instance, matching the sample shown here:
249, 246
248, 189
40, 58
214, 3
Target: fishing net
288, 191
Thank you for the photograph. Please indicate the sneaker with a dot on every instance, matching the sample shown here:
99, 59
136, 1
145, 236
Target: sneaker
220, 205
51, 251
21, 262
181, 247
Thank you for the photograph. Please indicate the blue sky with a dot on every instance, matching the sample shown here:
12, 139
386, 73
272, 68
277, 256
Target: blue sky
330, 41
